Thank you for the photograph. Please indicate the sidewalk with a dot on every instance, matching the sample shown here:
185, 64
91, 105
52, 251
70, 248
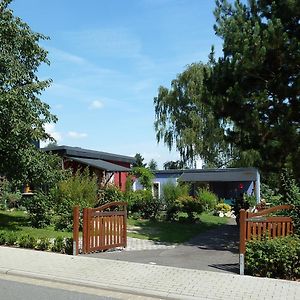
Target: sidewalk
144, 279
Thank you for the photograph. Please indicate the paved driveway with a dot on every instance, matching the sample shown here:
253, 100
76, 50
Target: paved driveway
213, 250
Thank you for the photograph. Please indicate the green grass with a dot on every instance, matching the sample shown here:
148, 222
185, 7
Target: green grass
173, 232
17, 221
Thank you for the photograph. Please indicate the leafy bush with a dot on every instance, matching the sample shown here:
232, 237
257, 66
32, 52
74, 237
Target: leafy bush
9, 197
39, 209
43, 244
190, 205
58, 245
69, 246
2, 238
11, 239
208, 199
78, 189
142, 202
145, 176
223, 207
27, 241
171, 192
276, 258
109, 193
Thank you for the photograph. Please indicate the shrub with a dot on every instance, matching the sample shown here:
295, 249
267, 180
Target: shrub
27, 241
11, 239
190, 205
43, 244
223, 207
2, 238
9, 197
208, 199
109, 193
276, 258
145, 176
142, 202
171, 192
39, 209
80, 189
58, 245
69, 246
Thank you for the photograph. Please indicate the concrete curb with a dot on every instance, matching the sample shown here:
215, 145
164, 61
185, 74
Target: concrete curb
94, 284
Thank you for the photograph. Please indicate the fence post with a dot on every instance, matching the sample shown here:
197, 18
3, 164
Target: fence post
75, 230
242, 241
84, 230
125, 226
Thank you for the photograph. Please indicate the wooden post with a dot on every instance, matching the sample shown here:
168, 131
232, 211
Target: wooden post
84, 230
75, 230
242, 240
125, 226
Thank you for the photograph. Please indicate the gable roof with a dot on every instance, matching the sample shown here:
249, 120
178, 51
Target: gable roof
90, 154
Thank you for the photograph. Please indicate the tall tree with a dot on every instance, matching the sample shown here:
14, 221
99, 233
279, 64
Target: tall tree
183, 120
22, 113
139, 161
152, 165
256, 83
178, 164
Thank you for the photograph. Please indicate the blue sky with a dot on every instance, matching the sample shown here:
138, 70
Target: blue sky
108, 59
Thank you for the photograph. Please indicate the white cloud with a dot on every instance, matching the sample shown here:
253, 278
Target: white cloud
77, 135
96, 104
66, 56
50, 129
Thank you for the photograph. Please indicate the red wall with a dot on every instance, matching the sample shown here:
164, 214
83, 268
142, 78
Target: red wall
117, 176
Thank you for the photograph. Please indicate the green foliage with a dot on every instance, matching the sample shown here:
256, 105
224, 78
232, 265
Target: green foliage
128, 183
109, 193
143, 203
171, 192
78, 189
144, 175
139, 161
223, 207
250, 199
58, 245
43, 244
191, 206
27, 241
9, 196
276, 258
185, 121
69, 246
11, 239
39, 209
258, 75
152, 165
178, 164
270, 195
208, 199
22, 114
291, 195
2, 237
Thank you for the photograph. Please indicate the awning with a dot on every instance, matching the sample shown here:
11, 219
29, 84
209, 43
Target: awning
100, 164
219, 175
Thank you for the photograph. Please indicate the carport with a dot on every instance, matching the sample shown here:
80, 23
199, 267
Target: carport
226, 183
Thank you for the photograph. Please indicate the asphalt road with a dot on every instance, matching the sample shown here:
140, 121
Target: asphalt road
23, 288
213, 250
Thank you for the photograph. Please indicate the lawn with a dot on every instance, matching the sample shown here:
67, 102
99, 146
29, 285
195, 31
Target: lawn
172, 232
18, 222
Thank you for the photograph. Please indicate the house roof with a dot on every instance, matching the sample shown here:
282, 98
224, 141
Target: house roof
100, 164
90, 154
210, 175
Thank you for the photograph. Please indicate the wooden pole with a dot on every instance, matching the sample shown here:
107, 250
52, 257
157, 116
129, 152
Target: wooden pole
75, 229
125, 226
84, 230
242, 240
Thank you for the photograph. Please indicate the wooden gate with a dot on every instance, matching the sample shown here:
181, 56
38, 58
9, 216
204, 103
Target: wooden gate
258, 225
103, 227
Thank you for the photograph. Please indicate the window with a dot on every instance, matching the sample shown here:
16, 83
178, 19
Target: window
155, 190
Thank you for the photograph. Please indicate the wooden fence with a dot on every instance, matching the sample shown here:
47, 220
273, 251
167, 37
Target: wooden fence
258, 225
103, 227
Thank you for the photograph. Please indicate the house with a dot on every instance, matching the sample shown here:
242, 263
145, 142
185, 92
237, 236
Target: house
227, 183
108, 167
